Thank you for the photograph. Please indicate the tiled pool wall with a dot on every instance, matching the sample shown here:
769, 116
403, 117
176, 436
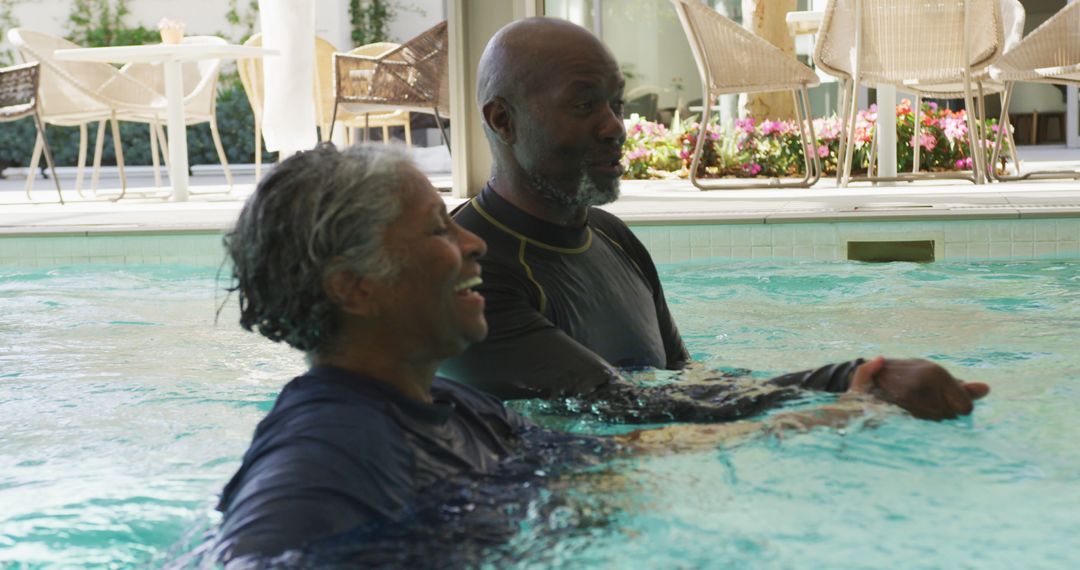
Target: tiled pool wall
203, 248
954, 240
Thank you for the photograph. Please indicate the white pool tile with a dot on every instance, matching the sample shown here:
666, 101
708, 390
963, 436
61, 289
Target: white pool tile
679, 255
955, 251
825, 253
1045, 249
680, 238
782, 251
978, 232
720, 236
740, 235
1046, 230
720, 251
956, 232
802, 252
1023, 231
1023, 249
700, 237
761, 251
1000, 232
1068, 230
978, 250
761, 235
1000, 250
741, 252
1069, 249
783, 235
824, 234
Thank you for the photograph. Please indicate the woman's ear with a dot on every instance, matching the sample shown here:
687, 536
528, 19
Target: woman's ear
499, 117
353, 294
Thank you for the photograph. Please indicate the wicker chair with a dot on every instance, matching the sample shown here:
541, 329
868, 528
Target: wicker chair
18, 99
1049, 54
411, 77
251, 78
730, 59
368, 120
1012, 24
200, 101
77, 93
914, 45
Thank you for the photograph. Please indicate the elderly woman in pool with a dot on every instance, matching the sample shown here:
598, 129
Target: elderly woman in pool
351, 257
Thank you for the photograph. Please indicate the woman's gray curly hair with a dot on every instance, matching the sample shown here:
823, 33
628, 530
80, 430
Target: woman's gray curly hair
318, 212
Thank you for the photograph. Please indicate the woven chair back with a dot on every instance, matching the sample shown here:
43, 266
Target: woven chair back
74, 92
731, 59
251, 77
910, 41
413, 76
66, 86
1050, 53
324, 80
18, 91
199, 80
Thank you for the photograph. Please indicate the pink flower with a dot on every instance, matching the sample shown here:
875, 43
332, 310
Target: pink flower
779, 127
751, 168
827, 129
823, 151
926, 140
964, 163
954, 127
745, 125
638, 154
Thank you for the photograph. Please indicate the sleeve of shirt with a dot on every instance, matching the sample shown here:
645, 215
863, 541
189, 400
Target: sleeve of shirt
545, 362
675, 350
313, 485
829, 378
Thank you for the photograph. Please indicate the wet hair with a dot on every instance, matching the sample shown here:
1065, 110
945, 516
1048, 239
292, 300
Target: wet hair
318, 212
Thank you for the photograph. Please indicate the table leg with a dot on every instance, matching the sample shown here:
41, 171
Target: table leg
178, 157
886, 139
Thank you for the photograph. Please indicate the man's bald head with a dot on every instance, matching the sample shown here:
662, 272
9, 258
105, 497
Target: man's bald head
519, 58
551, 97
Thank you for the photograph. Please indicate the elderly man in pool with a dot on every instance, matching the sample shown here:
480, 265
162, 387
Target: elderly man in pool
572, 295
352, 258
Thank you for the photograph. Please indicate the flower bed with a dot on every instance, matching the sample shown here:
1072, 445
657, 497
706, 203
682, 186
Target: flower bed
746, 149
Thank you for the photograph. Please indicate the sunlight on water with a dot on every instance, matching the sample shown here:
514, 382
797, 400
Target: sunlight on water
125, 409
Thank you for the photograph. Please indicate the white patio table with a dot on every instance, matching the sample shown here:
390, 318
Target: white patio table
170, 56
809, 22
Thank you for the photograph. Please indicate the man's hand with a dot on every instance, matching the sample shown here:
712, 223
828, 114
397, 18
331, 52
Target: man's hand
924, 389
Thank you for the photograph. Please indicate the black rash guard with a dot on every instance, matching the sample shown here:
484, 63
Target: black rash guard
567, 306
340, 452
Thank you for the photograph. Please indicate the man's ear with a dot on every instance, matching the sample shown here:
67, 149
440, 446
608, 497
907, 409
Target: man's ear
352, 293
499, 117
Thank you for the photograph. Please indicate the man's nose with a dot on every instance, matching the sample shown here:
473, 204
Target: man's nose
612, 129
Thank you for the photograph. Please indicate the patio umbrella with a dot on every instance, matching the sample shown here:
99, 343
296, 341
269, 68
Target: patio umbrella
288, 120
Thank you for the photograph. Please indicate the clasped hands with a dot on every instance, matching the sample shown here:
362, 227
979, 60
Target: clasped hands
922, 388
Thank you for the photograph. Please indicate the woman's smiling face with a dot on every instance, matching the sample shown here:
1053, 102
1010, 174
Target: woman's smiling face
430, 303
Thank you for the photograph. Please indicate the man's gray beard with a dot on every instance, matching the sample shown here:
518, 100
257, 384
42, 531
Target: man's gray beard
588, 193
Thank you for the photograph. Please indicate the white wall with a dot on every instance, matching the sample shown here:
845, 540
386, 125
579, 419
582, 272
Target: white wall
646, 35
208, 17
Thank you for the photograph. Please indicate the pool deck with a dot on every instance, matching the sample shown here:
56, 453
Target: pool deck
213, 208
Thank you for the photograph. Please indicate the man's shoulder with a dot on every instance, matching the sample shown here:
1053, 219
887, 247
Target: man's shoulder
605, 219
613, 227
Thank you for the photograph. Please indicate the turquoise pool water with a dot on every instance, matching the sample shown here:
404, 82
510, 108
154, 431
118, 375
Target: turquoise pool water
124, 408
